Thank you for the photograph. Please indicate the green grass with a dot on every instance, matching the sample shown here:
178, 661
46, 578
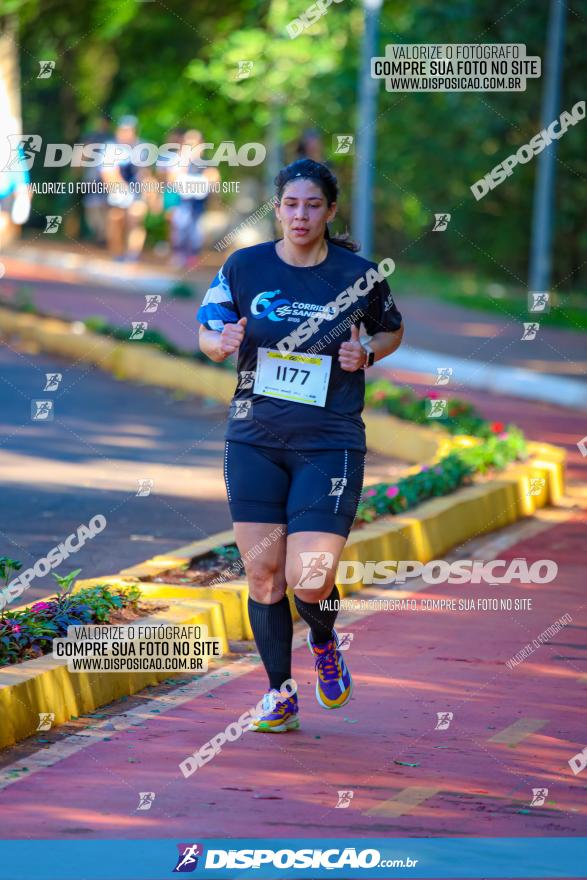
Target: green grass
568, 310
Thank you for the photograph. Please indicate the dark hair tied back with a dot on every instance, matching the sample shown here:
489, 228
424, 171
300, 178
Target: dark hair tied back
321, 175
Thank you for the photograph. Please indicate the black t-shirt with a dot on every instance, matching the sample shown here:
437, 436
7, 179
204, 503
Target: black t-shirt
285, 310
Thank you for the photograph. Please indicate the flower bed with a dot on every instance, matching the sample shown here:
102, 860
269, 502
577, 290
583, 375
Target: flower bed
446, 476
29, 633
461, 417
223, 563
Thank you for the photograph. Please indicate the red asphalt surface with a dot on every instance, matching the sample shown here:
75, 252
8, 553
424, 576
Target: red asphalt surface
407, 667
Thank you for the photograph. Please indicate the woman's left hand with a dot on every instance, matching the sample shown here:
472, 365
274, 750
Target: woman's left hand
351, 355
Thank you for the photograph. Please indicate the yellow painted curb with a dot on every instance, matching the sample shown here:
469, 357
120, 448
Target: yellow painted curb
45, 684
145, 363
404, 440
425, 533
230, 597
175, 558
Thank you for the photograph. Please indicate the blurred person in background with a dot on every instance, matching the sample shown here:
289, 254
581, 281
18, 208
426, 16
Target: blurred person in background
166, 175
96, 203
310, 146
191, 184
127, 206
15, 196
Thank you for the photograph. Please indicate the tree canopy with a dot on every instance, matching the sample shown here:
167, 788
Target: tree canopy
175, 63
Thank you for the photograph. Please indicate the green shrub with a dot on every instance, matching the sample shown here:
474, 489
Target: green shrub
30, 632
461, 417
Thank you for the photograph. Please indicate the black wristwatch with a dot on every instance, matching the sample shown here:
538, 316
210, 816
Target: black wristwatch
370, 356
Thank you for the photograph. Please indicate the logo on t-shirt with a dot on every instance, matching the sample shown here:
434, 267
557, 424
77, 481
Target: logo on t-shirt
270, 304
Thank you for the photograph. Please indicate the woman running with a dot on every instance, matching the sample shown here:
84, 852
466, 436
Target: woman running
290, 310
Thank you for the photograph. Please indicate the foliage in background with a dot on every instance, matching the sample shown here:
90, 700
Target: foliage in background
176, 64
479, 292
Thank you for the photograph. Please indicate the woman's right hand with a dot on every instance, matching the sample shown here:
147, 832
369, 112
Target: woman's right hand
231, 337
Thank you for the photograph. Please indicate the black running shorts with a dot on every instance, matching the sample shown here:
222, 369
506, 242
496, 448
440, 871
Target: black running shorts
310, 491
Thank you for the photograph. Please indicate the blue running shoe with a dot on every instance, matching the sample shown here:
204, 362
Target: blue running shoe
276, 716
334, 685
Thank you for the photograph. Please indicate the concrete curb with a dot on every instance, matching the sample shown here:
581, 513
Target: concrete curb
45, 684
509, 380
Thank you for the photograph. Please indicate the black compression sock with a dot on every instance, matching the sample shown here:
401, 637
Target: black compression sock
273, 630
320, 620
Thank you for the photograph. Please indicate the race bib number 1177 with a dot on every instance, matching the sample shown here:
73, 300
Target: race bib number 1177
302, 378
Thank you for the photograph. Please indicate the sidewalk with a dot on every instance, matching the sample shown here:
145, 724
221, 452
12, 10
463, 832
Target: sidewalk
500, 379
86, 263
453, 333
512, 730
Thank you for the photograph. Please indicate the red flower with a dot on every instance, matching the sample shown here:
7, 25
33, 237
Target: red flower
497, 427
432, 395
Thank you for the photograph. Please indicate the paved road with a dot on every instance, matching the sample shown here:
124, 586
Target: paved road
407, 666
108, 435
104, 438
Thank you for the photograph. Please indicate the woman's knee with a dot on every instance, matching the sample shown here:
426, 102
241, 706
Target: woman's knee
311, 584
266, 581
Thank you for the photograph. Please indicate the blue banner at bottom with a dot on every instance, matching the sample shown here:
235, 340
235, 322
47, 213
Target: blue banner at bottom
271, 858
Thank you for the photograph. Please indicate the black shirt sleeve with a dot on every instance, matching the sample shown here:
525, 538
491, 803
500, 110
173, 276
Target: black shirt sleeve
381, 314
